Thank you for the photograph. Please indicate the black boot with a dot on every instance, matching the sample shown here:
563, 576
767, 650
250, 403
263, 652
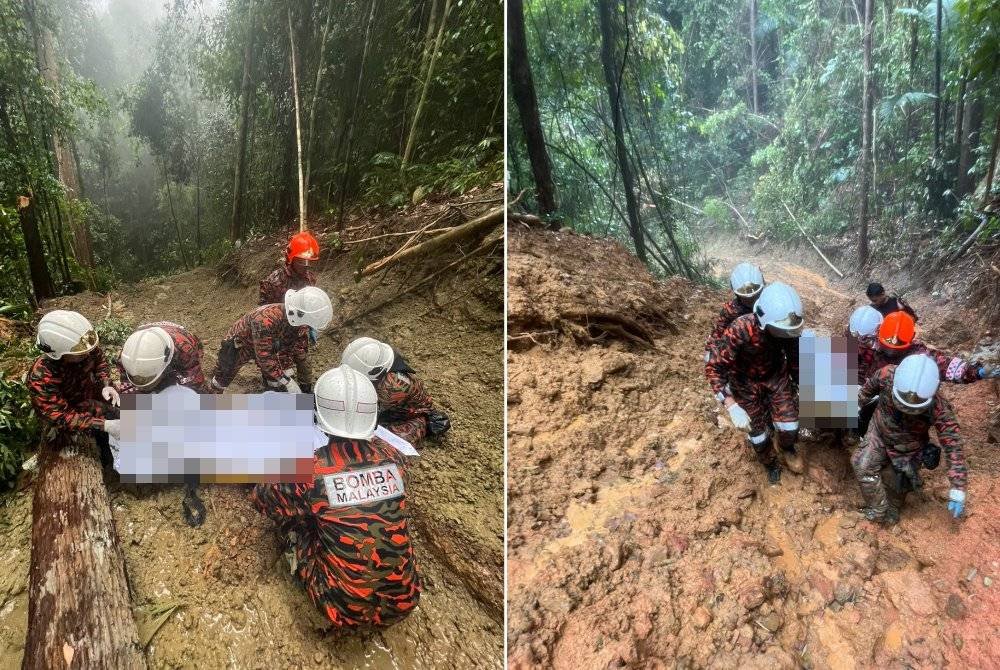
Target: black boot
194, 508
773, 474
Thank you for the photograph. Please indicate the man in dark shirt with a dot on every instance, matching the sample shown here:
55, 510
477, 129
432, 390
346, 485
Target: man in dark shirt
886, 304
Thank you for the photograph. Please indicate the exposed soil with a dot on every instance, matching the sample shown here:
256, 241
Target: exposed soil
239, 606
642, 532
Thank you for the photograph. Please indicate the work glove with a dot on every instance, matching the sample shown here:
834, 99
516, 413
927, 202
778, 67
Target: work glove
111, 395
292, 387
988, 372
706, 357
313, 335
956, 502
739, 417
113, 428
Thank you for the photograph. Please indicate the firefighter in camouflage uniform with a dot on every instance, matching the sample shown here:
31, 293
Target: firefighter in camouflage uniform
405, 407
301, 252
899, 436
348, 530
70, 384
753, 370
747, 282
276, 337
154, 357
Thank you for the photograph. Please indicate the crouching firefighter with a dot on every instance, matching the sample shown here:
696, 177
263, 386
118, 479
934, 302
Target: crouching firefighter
747, 282
159, 355
348, 529
405, 408
70, 384
276, 337
753, 370
897, 442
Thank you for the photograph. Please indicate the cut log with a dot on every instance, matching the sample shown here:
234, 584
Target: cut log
79, 610
477, 226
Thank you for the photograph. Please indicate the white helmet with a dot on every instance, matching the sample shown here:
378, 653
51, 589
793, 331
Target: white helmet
346, 403
865, 321
62, 332
779, 310
368, 356
916, 381
309, 306
146, 355
747, 280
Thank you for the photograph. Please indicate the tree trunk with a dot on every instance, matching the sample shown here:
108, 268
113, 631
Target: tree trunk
79, 610
991, 170
418, 112
177, 224
315, 96
914, 44
523, 89
937, 84
298, 125
236, 225
197, 210
41, 280
966, 158
867, 94
753, 57
960, 114
613, 82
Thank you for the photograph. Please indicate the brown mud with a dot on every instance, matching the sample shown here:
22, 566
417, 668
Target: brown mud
642, 532
239, 607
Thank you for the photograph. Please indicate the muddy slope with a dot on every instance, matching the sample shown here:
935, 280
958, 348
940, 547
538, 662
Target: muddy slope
239, 607
642, 532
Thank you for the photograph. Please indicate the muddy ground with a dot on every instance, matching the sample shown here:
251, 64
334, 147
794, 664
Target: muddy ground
239, 606
642, 532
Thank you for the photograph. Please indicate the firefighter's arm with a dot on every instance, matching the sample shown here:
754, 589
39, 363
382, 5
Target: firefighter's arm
103, 369
303, 371
418, 401
47, 399
282, 502
946, 426
953, 368
721, 357
263, 351
871, 388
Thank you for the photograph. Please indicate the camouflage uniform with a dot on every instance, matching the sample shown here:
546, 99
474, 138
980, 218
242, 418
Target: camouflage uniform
403, 405
761, 373
273, 287
952, 368
867, 350
68, 395
355, 561
731, 311
264, 335
185, 366
900, 438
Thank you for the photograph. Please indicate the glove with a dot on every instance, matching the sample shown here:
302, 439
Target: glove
111, 395
292, 387
313, 336
988, 372
113, 427
706, 357
739, 417
956, 502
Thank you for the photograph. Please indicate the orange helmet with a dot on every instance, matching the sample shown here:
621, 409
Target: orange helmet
897, 331
302, 245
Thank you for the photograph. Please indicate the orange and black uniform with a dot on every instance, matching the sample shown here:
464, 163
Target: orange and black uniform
68, 394
952, 368
185, 366
273, 287
731, 311
264, 335
403, 405
355, 560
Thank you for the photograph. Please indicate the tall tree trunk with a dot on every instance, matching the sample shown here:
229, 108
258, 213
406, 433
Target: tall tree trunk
937, 83
79, 609
753, 57
914, 44
991, 170
867, 95
315, 96
960, 114
428, 76
523, 87
350, 120
613, 81
298, 125
239, 185
966, 157
197, 210
177, 224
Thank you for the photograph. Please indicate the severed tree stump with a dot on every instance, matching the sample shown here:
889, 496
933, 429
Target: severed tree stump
79, 609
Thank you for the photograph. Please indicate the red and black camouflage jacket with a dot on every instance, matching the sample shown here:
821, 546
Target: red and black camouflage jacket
867, 348
185, 366
69, 394
273, 287
354, 557
401, 397
906, 434
952, 368
729, 313
277, 345
746, 353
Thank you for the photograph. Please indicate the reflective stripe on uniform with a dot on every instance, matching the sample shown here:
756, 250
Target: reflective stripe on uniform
758, 439
786, 425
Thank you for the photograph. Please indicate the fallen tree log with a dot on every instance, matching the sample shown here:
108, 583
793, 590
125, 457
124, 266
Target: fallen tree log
79, 609
481, 224
809, 240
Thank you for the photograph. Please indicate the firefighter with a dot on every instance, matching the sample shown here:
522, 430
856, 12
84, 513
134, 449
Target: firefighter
897, 338
348, 529
908, 406
301, 252
747, 282
276, 336
159, 355
753, 370
70, 383
863, 326
885, 304
405, 408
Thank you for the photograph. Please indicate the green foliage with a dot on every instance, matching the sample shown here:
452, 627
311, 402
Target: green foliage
114, 331
18, 429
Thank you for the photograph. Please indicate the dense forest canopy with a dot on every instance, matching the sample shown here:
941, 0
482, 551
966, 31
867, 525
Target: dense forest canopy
752, 116
141, 138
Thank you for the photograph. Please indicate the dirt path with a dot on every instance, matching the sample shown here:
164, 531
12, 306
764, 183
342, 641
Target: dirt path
240, 608
642, 532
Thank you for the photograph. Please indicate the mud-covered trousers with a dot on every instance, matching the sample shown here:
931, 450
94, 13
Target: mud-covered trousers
771, 402
870, 459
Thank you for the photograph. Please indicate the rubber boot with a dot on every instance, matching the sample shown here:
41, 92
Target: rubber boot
773, 473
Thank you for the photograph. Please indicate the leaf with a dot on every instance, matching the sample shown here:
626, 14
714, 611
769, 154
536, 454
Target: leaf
153, 617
